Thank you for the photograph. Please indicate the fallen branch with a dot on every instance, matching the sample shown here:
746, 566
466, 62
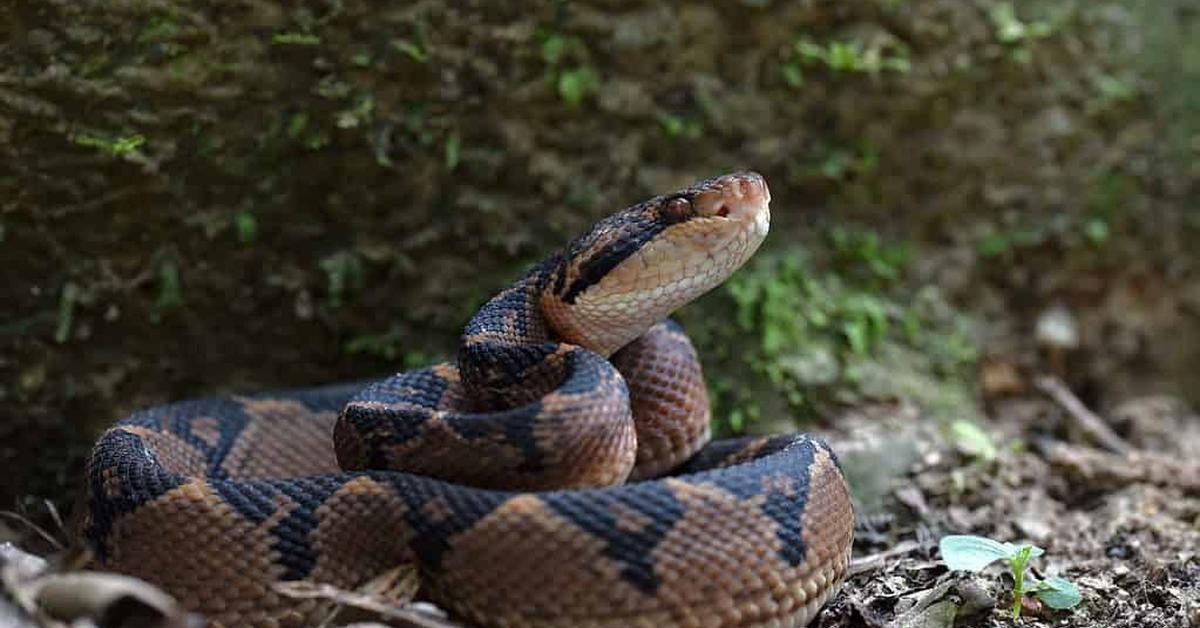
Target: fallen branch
1100, 470
874, 561
1088, 421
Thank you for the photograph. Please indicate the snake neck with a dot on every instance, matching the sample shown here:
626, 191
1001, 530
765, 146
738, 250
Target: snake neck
508, 353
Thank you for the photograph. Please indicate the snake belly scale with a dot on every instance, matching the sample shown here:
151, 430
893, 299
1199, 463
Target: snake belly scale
559, 473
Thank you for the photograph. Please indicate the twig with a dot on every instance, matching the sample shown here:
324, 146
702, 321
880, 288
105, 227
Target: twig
872, 562
1091, 424
58, 545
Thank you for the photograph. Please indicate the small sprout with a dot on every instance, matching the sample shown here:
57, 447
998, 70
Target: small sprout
295, 39
963, 552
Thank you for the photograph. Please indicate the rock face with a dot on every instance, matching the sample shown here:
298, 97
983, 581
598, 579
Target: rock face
197, 198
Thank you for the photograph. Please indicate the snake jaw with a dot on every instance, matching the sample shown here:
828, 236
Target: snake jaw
732, 196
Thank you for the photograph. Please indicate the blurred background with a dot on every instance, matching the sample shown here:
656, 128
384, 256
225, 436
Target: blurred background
202, 197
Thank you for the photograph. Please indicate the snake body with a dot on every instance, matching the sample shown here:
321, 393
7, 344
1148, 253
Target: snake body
525, 482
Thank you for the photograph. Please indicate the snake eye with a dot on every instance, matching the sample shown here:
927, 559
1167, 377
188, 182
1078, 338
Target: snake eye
677, 209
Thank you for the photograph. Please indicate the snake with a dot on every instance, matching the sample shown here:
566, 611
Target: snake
560, 471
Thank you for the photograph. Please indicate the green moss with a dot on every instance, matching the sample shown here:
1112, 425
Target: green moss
846, 57
818, 336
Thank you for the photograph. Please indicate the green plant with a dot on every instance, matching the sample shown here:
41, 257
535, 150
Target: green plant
866, 257
170, 289
575, 84
565, 57
343, 274
1017, 33
115, 147
246, 226
389, 345
963, 552
415, 51
681, 126
845, 57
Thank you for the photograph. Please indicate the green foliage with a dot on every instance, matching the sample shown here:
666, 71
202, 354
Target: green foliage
414, 51
1010, 29
116, 147
1107, 207
389, 346
567, 68
813, 336
845, 57
974, 553
170, 289
246, 227
343, 275
867, 257
1017, 34
575, 84
841, 163
687, 127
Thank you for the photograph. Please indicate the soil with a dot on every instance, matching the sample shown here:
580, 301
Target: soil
1126, 535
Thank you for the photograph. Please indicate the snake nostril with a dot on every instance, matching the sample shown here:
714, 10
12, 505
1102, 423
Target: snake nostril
723, 212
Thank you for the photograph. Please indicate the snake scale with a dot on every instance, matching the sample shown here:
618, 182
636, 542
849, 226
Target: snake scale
559, 473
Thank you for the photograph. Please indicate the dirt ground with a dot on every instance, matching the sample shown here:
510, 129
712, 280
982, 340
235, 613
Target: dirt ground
1124, 529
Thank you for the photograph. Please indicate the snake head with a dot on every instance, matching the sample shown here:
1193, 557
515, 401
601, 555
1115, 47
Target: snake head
635, 267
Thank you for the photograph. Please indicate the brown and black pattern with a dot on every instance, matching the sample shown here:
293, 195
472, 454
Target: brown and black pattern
500, 477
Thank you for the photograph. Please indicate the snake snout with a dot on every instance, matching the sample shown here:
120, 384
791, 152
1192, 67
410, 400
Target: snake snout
737, 195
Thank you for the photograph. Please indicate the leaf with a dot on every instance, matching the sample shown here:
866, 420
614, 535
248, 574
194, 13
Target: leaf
964, 552
246, 226
110, 599
574, 85
1058, 593
972, 440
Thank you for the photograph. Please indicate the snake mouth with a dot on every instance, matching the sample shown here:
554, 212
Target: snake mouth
732, 196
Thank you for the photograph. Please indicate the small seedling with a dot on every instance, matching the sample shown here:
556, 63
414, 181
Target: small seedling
972, 553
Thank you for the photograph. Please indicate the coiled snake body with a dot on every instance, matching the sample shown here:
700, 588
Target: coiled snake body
501, 477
